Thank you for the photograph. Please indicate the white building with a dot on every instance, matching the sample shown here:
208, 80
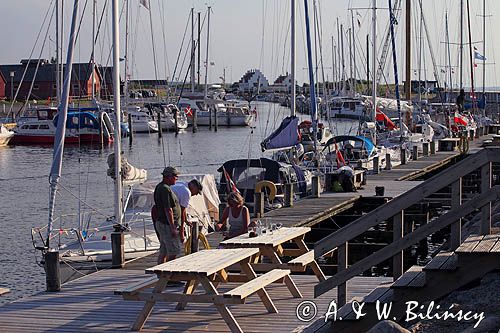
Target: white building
283, 84
251, 81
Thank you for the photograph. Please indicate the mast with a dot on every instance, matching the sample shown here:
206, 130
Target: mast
125, 85
449, 53
368, 63
374, 62
314, 116
199, 48
408, 50
484, 49
292, 61
206, 69
394, 60
353, 50
461, 54
58, 81
471, 59
351, 85
93, 49
118, 114
193, 69
55, 171
334, 77
343, 60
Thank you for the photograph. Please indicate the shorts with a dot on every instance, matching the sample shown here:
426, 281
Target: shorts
169, 245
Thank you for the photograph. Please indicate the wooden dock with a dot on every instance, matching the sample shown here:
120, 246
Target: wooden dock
88, 304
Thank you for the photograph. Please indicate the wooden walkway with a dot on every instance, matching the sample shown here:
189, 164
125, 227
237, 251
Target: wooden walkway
88, 304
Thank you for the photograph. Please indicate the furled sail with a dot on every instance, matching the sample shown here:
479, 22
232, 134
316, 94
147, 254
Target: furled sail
129, 172
285, 136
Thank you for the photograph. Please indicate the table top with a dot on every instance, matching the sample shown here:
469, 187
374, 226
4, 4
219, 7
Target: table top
275, 238
206, 262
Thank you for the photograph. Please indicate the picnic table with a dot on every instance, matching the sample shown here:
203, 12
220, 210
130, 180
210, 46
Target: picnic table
270, 245
208, 268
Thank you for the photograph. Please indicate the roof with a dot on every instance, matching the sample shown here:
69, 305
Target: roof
46, 71
281, 79
247, 76
367, 143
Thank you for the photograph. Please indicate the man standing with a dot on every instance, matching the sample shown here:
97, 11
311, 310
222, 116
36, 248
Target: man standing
169, 216
184, 191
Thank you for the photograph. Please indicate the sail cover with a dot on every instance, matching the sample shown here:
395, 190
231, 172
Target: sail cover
286, 136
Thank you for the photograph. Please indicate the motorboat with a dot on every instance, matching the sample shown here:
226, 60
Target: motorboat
170, 116
5, 135
347, 108
142, 122
226, 116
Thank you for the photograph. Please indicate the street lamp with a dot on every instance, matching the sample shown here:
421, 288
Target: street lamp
12, 85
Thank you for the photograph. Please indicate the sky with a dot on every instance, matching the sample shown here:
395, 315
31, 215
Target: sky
249, 34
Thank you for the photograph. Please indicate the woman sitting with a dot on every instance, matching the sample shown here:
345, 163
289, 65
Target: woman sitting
235, 217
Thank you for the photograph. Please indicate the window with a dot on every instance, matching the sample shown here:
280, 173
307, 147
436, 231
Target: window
36, 87
76, 86
54, 86
25, 127
74, 120
33, 127
44, 126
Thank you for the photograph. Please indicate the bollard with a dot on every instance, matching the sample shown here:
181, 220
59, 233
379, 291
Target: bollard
176, 125
471, 135
388, 165
375, 165
194, 237
195, 120
414, 154
158, 119
403, 155
288, 195
433, 147
52, 271
117, 249
258, 204
131, 129
478, 133
316, 189
425, 148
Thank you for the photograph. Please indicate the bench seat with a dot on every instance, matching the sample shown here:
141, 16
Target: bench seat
137, 287
254, 285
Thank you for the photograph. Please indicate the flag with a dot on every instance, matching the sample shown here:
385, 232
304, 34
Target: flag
479, 56
340, 158
145, 3
188, 111
460, 120
231, 187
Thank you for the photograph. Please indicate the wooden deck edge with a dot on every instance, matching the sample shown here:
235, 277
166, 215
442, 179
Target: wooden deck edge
334, 210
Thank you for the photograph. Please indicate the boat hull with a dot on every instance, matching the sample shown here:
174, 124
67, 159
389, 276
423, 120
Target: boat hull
223, 120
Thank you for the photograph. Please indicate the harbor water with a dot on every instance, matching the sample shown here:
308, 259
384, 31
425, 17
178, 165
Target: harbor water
24, 181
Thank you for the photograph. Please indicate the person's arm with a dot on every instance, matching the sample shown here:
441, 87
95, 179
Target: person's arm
246, 219
183, 220
223, 219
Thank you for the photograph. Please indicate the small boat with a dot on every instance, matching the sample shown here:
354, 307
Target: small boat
346, 108
5, 136
82, 127
168, 114
226, 116
141, 121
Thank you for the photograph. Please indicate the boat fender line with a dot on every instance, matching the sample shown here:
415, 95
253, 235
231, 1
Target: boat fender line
201, 237
268, 184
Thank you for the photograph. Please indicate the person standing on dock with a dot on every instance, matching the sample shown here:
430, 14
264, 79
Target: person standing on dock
184, 191
168, 218
235, 216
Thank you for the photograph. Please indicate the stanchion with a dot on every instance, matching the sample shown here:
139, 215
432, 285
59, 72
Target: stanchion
194, 237
403, 155
316, 188
258, 204
414, 154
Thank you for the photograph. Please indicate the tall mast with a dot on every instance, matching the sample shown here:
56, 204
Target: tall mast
449, 53
392, 19
193, 69
342, 60
125, 86
206, 55
93, 49
471, 59
312, 92
353, 50
334, 77
292, 60
58, 82
118, 114
461, 54
374, 62
351, 75
199, 48
484, 46
55, 171
408, 50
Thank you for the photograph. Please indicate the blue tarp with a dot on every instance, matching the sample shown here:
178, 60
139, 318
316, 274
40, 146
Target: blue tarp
285, 136
80, 120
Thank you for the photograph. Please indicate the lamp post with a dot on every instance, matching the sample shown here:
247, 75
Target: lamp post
12, 85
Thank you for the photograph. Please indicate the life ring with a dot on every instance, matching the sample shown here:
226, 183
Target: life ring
201, 237
268, 184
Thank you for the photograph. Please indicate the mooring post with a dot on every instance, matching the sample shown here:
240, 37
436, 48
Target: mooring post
397, 234
117, 249
376, 165
486, 220
52, 271
195, 120
425, 148
131, 129
342, 266
259, 204
414, 153
403, 155
176, 124
194, 237
456, 202
471, 135
433, 147
288, 195
388, 165
316, 189
158, 119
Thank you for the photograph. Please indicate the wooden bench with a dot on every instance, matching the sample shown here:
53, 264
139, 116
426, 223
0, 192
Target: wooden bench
307, 259
133, 289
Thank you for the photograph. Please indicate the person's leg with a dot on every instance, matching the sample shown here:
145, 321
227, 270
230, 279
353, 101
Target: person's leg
162, 232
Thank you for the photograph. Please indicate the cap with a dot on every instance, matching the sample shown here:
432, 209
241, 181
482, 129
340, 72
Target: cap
197, 183
170, 171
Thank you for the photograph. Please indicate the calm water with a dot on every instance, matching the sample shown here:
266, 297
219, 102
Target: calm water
24, 182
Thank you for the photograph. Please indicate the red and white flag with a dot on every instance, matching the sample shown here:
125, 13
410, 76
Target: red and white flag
188, 111
231, 187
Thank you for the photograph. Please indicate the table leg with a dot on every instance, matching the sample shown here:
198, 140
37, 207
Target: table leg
148, 307
188, 289
264, 296
273, 256
223, 310
314, 264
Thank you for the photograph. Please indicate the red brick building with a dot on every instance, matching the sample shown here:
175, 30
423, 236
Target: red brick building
43, 80
2, 86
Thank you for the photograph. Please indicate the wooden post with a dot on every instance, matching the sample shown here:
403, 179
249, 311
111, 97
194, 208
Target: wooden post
397, 233
316, 188
471, 135
176, 125
456, 202
117, 249
375, 165
195, 120
209, 116
216, 122
158, 119
388, 165
288, 195
52, 271
342, 266
433, 147
403, 155
258, 204
425, 148
131, 129
194, 237
485, 228
414, 153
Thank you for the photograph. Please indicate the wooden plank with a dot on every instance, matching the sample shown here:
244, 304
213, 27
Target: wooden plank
273, 239
496, 248
438, 261
456, 202
469, 244
486, 182
486, 244
136, 287
342, 266
411, 278
397, 229
256, 284
399, 203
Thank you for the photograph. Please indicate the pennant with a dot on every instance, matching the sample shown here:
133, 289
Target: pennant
479, 56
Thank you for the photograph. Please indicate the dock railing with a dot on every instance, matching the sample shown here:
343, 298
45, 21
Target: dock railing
461, 206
